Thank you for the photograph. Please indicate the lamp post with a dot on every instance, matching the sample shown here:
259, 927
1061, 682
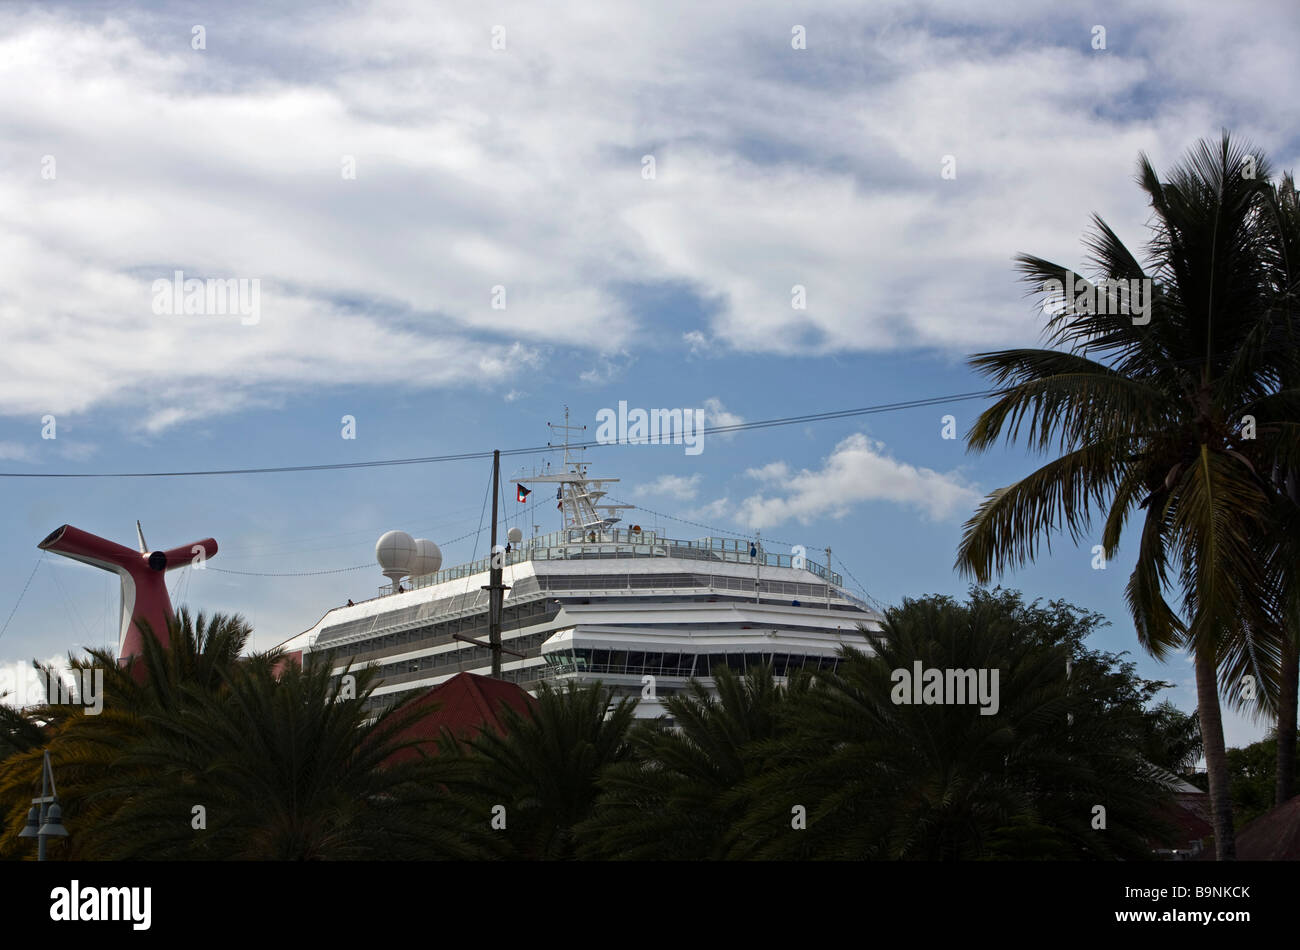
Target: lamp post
45, 821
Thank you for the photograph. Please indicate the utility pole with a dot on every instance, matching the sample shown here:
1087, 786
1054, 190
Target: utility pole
495, 587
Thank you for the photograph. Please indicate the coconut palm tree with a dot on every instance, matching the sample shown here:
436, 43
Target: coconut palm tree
678, 796
533, 786
282, 768
1146, 416
18, 732
1283, 545
865, 773
86, 748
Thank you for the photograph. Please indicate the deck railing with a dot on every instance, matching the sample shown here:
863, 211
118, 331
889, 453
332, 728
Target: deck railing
622, 542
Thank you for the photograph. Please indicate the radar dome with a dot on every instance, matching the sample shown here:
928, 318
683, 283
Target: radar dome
428, 558
395, 551
514, 535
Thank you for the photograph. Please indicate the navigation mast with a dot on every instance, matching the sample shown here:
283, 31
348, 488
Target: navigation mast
578, 494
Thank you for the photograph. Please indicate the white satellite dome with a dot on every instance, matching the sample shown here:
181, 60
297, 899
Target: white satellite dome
514, 536
395, 552
428, 558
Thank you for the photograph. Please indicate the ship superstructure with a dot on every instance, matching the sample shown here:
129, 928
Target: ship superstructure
595, 600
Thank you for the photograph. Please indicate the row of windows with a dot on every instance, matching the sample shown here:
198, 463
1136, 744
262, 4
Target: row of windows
552, 582
436, 634
467, 658
639, 662
563, 582
391, 618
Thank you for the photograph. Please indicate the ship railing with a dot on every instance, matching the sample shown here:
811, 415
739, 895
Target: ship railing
618, 543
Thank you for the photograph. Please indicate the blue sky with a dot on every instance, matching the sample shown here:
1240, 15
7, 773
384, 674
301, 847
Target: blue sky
522, 168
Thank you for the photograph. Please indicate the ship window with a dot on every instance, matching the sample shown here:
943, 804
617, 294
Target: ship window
653, 661
617, 661
599, 660
635, 661
736, 661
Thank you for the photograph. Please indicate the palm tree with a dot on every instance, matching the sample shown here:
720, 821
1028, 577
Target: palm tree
283, 769
679, 795
534, 785
1148, 416
881, 778
86, 748
1283, 544
18, 732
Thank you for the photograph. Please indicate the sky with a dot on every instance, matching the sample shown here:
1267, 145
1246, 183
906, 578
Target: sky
462, 221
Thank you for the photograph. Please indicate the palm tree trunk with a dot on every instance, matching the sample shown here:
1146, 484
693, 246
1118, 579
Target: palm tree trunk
1216, 757
1286, 719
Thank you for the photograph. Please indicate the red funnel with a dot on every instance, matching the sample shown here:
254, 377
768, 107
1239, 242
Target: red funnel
144, 589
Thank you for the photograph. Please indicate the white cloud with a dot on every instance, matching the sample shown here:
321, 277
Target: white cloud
522, 168
39, 449
606, 368
859, 470
20, 681
16, 452
77, 451
718, 508
698, 343
680, 487
716, 414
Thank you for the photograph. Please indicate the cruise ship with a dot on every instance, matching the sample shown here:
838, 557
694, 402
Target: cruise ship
594, 600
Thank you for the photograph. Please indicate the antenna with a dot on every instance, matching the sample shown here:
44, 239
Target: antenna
585, 516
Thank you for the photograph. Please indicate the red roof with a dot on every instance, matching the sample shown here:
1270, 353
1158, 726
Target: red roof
295, 658
465, 704
1273, 836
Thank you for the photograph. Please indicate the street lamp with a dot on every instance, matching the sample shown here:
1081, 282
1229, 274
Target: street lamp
45, 821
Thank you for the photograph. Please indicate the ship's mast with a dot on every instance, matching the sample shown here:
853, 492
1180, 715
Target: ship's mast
579, 496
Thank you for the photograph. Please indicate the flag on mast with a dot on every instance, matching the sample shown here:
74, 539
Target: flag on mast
522, 493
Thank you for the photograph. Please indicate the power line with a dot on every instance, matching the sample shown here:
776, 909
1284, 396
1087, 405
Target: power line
531, 450
359, 567
20, 597
699, 524
339, 570
862, 587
